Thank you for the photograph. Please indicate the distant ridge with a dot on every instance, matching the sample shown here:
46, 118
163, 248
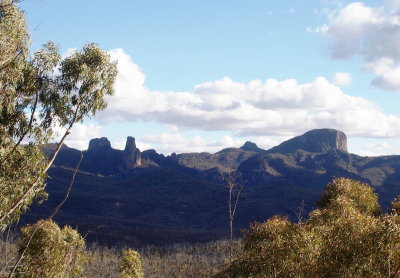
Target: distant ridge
132, 196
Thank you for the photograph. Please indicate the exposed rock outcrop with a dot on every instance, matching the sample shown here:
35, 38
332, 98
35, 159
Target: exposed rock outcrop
132, 156
315, 141
250, 146
182, 196
99, 144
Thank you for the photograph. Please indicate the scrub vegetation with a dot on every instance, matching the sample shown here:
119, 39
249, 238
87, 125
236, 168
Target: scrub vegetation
346, 236
180, 261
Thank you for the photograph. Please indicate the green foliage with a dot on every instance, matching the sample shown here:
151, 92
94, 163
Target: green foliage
360, 195
396, 206
130, 265
344, 237
276, 248
14, 40
38, 95
200, 260
49, 251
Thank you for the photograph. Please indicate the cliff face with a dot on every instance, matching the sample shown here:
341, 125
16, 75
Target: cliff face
101, 158
99, 144
132, 156
314, 141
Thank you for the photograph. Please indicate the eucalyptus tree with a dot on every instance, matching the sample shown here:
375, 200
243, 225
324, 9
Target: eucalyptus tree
40, 93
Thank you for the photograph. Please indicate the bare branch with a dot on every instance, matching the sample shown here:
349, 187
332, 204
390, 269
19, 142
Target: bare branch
68, 190
17, 263
299, 212
234, 190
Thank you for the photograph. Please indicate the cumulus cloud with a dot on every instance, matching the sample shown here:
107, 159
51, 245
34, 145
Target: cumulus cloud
169, 142
342, 79
120, 143
255, 108
372, 33
80, 135
375, 148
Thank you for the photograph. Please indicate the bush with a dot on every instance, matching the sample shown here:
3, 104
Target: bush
50, 252
344, 237
130, 265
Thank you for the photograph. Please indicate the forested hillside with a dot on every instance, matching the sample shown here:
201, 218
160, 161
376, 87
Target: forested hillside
134, 196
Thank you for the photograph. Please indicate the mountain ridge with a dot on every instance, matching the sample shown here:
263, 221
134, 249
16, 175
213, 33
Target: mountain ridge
133, 196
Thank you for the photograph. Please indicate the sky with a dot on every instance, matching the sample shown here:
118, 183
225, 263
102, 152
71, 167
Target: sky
205, 75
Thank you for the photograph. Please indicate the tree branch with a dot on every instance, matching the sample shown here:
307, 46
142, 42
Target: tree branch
9, 4
46, 168
26, 131
10, 61
55, 211
68, 190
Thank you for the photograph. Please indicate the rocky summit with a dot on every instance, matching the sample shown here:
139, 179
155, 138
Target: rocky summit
132, 155
314, 141
142, 197
99, 145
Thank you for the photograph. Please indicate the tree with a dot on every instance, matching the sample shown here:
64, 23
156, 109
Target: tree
235, 187
38, 95
346, 236
50, 252
130, 265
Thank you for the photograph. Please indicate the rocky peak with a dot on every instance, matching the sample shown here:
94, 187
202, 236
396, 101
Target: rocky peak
130, 144
174, 156
316, 140
250, 146
99, 144
132, 156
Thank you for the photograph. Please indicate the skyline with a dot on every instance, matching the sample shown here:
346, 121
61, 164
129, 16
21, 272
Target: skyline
205, 76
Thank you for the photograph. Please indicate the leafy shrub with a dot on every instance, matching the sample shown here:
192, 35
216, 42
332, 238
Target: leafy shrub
50, 252
359, 194
130, 265
345, 237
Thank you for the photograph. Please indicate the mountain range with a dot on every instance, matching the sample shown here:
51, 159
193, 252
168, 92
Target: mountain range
143, 197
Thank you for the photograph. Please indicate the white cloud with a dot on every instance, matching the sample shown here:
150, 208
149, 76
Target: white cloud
375, 148
319, 29
120, 143
372, 33
168, 143
388, 73
267, 142
393, 4
342, 79
255, 108
81, 135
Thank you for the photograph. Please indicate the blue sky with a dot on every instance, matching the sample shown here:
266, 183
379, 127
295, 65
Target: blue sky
188, 69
